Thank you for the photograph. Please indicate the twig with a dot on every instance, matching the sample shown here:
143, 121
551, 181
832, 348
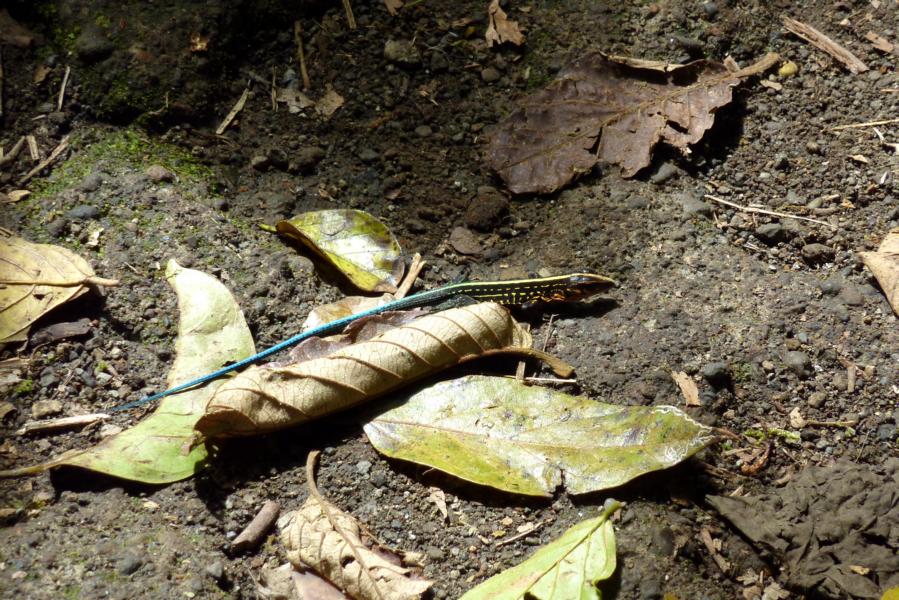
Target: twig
408, 281
61, 423
517, 537
301, 57
258, 528
706, 536
865, 124
62, 88
238, 106
13, 152
33, 150
60, 148
822, 42
350, 19
762, 211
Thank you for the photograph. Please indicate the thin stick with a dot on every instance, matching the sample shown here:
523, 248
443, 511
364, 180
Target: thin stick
824, 43
350, 19
60, 148
258, 528
415, 268
865, 124
762, 211
33, 150
14, 151
238, 106
62, 88
61, 423
301, 57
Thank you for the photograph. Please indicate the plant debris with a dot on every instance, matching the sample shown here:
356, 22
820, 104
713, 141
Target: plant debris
610, 110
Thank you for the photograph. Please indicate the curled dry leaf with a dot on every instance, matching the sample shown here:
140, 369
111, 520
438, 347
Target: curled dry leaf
497, 432
263, 399
605, 109
884, 264
36, 278
325, 539
501, 28
355, 242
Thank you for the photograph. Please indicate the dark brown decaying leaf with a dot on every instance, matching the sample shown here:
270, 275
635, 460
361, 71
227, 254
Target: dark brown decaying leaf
608, 110
501, 28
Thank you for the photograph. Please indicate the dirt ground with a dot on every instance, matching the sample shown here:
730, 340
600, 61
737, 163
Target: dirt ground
775, 318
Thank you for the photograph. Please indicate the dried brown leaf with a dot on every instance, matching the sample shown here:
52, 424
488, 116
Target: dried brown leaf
884, 264
687, 387
393, 6
604, 109
36, 278
267, 398
325, 539
501, 28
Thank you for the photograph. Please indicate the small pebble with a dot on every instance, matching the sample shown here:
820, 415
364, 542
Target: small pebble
798, 362
716, 373
423, 131
817, 399
490, 74
664, 173
788, 69
46, 408
130, 564
817, 253
215, 570
220, 204
84, 212
402, 52
159, 174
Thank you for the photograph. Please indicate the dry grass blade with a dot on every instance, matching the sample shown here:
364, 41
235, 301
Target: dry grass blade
267, 398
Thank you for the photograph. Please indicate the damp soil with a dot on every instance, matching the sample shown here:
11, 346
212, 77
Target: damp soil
771, 316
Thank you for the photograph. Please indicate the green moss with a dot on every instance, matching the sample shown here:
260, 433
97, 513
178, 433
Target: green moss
72, 591
742, 372
119, 150
26, 386
103, 21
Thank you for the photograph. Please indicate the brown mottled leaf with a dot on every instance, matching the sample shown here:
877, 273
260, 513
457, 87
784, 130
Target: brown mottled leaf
267, 398
327, 540
501, 28
35, 279
604, 109
885, 265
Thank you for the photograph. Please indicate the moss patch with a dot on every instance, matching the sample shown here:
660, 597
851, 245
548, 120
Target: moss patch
119, 150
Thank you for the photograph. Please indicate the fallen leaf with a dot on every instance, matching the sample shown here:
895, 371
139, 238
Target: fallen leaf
350, 305
880, 42
500, 28
199, 42
321, 537
356, 243
687, 387
500, 433
294, 98
211, 333
884, 264
821, 523
569, 567
35, 279
393, 5
267, 398
601, 109
328, 104
464, 241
